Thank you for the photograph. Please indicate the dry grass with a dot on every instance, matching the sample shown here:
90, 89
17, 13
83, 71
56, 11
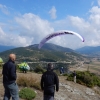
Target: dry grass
1, 90
28, 80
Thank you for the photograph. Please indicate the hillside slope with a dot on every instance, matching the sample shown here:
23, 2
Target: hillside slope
49, 52
67, 91
52, 47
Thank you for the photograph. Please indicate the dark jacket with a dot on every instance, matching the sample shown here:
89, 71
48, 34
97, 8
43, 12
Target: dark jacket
74, 73
9, 72
48, 82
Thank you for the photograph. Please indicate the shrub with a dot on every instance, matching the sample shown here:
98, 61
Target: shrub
27, 93
37, 86
39, 69
85, 78
28, 81
57, 72
65, 74
70, 77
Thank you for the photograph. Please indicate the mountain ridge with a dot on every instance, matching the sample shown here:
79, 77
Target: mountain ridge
50, 46
89, 50
49, 52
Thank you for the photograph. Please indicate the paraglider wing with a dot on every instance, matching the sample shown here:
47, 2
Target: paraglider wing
28, 68
63, 32
1, 61
24, 65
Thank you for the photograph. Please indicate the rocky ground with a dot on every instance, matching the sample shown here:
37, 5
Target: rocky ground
68, 91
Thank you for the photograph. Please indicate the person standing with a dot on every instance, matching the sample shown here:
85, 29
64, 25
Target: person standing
61, 70
9, 78
74, 74
49, 81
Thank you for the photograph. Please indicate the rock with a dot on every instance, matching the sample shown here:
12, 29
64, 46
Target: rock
1, 98
89, 92
73, 91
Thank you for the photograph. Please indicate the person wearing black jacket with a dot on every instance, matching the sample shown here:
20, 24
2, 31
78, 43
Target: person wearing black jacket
49, 81
74, 74
9, 78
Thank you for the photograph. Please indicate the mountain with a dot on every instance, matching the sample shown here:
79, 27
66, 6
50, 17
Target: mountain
88, 50
49, 53
4, 48
52, 47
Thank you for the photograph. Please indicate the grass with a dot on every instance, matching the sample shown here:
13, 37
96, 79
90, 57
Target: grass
28, 81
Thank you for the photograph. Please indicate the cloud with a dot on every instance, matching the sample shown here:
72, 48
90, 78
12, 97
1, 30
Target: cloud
89, 29
52, 13
86, 29
95, 10
99, 2
4, 9
13, 39
33, 26
31, 29
95, 16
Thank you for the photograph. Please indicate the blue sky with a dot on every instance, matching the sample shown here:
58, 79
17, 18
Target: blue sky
26, 22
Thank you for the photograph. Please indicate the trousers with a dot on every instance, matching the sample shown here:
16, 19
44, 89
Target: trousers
74, 79
48, 97
11, 90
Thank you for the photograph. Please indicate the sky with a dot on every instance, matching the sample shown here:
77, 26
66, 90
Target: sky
27, 22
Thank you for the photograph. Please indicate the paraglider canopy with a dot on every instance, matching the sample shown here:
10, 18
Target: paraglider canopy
1, 61
62, 32
24, 65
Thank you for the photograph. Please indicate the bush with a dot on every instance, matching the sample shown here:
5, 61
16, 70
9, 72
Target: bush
70, 77
57, 72
39, 70
85, 78
27, 93
28, 81
65, 74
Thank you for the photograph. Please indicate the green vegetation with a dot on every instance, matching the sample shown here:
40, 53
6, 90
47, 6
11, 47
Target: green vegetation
31, 54
86, 78
27, 94
39, 69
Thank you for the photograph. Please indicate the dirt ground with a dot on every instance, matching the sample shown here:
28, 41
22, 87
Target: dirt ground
93, 67
68, 90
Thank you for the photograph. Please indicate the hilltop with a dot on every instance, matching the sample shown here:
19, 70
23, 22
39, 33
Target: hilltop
90, 51
49, 52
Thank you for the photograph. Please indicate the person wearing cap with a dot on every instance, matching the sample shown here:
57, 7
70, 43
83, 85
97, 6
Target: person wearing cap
9, 78
49, 83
